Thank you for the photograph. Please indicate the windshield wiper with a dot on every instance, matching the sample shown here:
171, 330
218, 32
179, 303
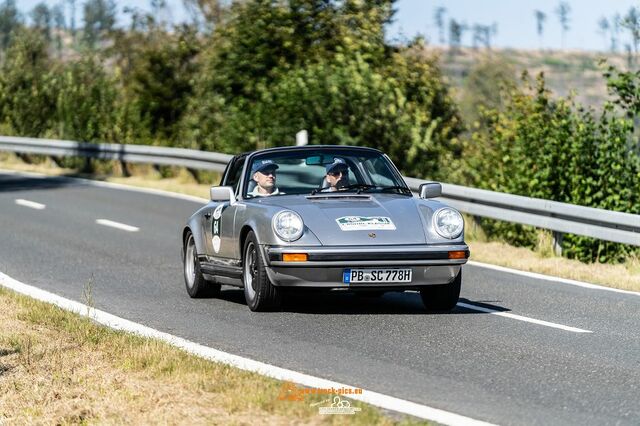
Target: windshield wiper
359, 186
395, 188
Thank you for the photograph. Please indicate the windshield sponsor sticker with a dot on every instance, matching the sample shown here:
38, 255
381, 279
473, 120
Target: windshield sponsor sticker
365, 223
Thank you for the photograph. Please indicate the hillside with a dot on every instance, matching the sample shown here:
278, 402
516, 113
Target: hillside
564, 70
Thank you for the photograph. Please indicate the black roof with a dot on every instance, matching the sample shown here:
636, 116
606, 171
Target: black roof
310, 147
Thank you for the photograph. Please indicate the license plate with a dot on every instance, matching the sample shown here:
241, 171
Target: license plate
382, 275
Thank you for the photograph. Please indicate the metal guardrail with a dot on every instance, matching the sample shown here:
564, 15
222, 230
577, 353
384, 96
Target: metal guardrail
558, 217
163, 156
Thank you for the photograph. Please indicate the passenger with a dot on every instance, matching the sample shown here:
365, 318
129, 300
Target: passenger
337, 175
264, 174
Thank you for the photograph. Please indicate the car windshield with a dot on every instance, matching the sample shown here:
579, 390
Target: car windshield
322, 171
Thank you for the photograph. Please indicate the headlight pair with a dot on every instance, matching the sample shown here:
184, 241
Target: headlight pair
288, 225
448, 223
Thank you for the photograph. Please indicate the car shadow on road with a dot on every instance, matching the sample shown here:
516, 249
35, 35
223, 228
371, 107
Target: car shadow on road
345, 303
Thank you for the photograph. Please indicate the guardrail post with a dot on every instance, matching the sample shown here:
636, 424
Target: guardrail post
125, 169
557, 243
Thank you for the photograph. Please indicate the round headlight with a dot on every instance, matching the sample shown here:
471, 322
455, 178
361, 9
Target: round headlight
448, 223
288, 225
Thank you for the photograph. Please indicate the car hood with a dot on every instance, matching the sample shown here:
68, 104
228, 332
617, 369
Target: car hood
382, 219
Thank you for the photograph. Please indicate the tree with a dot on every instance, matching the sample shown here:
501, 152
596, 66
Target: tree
615, 31
72, 17
482, 34
85, 97
41, 17
604, 26
541, 17
10, 20
485, 88
439, 19
159, 77
563, 12
456, 31
631, 22
26, 99
207, 13
57, 15
99, 19
273, 68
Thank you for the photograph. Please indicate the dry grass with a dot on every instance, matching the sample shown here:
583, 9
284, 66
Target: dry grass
59, 368
543, 261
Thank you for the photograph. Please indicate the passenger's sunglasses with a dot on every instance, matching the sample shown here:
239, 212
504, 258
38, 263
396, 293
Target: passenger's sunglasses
334, 174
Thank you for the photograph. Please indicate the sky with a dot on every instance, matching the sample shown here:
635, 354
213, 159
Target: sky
514, 18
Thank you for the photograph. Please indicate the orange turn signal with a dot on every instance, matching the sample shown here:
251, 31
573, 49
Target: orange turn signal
460, 254
295, 257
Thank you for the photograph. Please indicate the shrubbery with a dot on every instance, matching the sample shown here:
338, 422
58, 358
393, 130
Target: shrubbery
551, 148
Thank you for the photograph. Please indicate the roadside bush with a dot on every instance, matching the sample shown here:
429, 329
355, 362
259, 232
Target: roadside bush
85, 101
551, 148
27, 89
156, 71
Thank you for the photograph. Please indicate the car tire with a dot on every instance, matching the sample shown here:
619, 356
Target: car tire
442, 297
195, 282
259, 293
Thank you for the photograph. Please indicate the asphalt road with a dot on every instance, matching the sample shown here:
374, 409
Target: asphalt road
499, 369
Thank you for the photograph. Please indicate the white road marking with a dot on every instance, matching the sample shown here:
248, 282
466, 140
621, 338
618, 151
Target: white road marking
30, 204
117, 323
521, 318
117, 225
551, 279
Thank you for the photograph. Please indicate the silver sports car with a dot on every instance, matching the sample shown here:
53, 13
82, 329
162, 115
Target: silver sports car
331, 217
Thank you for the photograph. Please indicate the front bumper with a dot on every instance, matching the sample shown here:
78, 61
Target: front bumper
324, 268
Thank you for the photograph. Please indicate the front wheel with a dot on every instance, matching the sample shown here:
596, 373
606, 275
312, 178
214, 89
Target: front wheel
259, 293
196, 285
442, 297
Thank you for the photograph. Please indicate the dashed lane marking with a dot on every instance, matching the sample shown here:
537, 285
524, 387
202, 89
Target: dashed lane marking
30, 204
117, 225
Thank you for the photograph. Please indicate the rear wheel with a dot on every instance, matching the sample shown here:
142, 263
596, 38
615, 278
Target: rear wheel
196, 285
442, 297
259, 293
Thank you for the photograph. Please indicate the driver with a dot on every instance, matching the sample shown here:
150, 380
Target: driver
263, 173
337, 174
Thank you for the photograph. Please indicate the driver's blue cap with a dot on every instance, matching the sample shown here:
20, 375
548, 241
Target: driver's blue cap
338, 165
262, 165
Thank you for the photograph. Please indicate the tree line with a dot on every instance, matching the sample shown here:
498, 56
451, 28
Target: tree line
620, 31
250, 74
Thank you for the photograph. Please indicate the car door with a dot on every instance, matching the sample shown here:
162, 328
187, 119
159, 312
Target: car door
220, 223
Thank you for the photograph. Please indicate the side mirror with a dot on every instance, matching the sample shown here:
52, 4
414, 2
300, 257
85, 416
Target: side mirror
430, 190
222, 193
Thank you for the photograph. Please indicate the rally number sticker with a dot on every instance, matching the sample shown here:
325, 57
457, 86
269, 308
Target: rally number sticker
215, 227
